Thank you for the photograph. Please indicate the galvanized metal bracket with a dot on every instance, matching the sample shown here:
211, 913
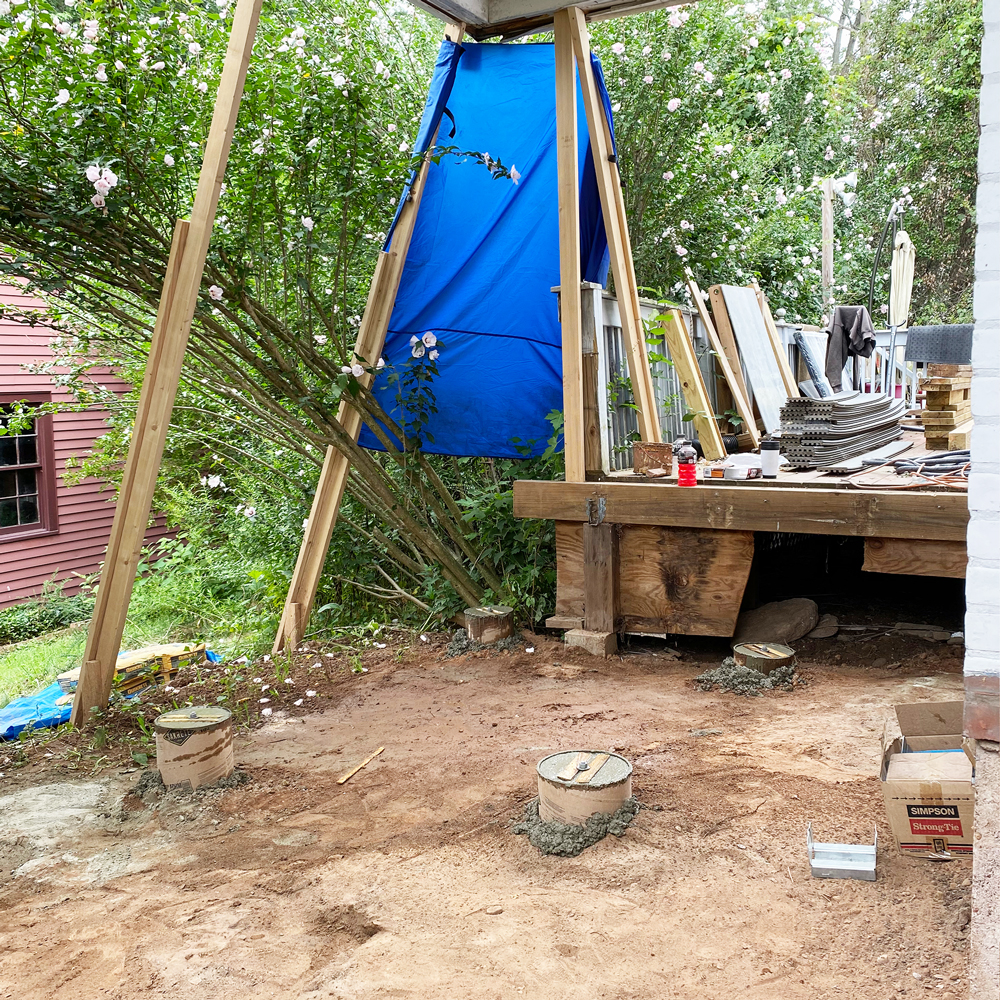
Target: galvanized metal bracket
596, 509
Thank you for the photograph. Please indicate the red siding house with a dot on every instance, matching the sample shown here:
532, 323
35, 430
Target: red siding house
47, 529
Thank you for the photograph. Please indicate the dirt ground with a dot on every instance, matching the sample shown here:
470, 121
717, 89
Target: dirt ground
406, 881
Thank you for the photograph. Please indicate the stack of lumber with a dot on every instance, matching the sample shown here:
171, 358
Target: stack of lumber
141, 668
821, 432
947, 413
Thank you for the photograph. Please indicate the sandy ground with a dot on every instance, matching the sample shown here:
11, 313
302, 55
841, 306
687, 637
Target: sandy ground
294, 886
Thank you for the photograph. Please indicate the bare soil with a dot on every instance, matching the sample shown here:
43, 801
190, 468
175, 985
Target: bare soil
406, 881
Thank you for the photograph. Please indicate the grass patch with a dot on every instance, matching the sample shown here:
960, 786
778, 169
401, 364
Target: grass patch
32, 665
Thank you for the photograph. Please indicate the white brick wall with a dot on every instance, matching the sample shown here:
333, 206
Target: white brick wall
982, 622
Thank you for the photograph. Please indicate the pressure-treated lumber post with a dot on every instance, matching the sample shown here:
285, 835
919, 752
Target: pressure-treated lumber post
571, 317
740, 400
693, 385
333, 477
616, 227
178, 298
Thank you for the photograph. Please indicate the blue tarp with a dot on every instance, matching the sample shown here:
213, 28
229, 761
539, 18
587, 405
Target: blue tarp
485, 254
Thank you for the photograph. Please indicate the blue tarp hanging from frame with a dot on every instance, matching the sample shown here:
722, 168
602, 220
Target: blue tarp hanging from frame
485, 254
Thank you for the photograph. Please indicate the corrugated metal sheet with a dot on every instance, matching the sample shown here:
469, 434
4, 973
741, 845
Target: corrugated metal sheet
85, 514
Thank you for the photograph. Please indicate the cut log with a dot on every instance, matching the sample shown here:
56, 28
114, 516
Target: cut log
489, 623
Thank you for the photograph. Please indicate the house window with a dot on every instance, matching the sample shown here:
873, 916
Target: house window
27, 480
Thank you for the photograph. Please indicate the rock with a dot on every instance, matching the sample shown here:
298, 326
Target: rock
493, 911
705, 732
826, 629
780, 621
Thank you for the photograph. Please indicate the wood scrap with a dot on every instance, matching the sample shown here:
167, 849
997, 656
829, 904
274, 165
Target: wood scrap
354, 770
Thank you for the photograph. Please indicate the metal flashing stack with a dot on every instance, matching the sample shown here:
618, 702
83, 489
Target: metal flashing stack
820, 432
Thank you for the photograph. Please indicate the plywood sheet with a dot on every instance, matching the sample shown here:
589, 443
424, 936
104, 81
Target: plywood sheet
688, 581
762, 370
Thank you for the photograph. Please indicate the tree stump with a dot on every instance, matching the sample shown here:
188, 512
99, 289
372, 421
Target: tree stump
489, 623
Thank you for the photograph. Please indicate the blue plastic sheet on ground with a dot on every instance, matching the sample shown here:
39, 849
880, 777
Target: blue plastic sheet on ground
485, 255
40, 711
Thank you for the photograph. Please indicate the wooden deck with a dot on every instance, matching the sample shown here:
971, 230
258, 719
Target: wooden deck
676, 559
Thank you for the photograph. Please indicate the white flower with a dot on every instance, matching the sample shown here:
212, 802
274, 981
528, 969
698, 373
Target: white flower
754, 43
93, 173
101, 76
97, 201
159, 65
62, 28
735, 174
808, 97
313, 143
413, 340
62, 97
906, 15
168, 160
699, 67
90, 30
265, 711
681, 251
194, 48
673, 104
430, 340
800, 26
515, 174
668, 175
357, 371
249, 511
390, 127
214, 482
829, 154
709, 77
339, 81
310, 694
4, 8
786, 74
107, 174
101, 186
418, 350
647, 79
674, 21
203, 87
320, 338
434, 355
806, 261
87, 49
381, 364
215, 293
718, 93
307, 223
345, 369
119, 65
618, 48
646, 49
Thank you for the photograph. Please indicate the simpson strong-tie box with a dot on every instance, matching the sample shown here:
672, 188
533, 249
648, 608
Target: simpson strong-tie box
928, 780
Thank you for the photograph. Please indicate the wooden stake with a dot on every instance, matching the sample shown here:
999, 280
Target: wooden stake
616, 227
354, 770
826, 247
178, 298
570, 310
693, 385
743, 407
333, 477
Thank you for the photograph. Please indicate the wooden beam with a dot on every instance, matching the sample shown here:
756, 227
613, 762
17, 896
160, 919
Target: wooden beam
616, 227
915, 557
570, 314
742, 507
727, 338
333, 478
178, 298
600, 577
736, 385
693, 385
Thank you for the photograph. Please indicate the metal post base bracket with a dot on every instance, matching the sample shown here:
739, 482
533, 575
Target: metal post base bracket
855, 861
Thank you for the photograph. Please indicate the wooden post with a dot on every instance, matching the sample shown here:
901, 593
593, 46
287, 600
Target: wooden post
616, 227
333, 477
693, 385
826, 247
736, 388
595, 382
570, 313
600, 577
178, 298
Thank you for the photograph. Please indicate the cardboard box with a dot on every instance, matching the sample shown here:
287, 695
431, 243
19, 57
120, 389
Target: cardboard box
928, 781
137, 669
